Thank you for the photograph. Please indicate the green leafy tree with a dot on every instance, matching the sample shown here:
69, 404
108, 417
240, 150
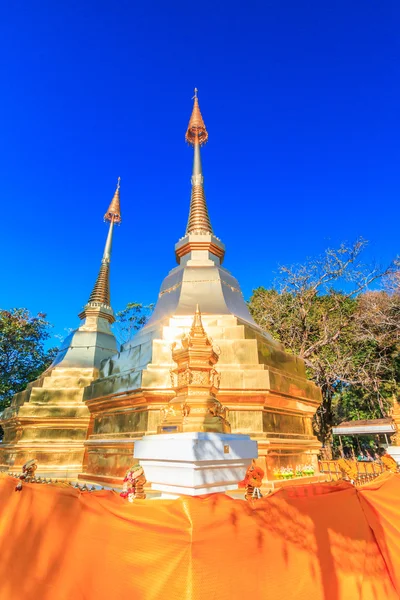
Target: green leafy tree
23, 356
377, 355
129, 320
317, 311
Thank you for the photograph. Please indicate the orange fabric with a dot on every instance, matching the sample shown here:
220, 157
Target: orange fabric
311, 542
381, 504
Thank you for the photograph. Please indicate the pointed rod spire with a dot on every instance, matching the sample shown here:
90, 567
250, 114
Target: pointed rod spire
101, 290
196, 136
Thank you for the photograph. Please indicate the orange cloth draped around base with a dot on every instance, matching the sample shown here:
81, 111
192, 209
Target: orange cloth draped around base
326, 541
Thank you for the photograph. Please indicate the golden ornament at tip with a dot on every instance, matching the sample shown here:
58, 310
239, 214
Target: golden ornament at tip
196, 132
114, 210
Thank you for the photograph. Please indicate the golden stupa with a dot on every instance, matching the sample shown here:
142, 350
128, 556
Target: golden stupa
85, 413
49, 420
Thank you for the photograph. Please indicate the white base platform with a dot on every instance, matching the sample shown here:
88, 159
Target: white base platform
193, 464
394, 452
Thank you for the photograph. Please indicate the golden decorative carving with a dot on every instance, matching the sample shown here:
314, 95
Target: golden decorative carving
185, 377
196, 381
199, 378
215, 377
174, 378
185, 410
166, 411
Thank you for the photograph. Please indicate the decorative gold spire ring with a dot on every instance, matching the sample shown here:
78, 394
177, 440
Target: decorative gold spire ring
199, 219
101, 289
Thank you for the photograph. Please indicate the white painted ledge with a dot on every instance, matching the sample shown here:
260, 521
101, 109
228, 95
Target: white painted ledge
194, 464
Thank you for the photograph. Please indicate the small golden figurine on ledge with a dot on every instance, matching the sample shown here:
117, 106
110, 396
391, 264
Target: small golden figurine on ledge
134, 482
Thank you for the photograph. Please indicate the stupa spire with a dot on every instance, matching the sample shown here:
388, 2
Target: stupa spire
197, 329
196, 136
99, 299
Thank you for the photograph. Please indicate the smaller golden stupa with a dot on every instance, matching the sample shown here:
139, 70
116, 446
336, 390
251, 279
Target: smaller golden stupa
49, 420
196, 381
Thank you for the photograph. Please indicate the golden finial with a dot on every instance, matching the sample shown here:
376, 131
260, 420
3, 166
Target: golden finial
114, 210
196, 132
197, 329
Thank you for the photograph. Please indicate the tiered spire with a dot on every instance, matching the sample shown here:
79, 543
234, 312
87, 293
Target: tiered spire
199, 242
196, 136
99, 299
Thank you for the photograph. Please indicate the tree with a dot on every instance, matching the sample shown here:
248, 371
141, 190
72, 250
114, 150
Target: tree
23, 356
316, 312
378, 327
129, 320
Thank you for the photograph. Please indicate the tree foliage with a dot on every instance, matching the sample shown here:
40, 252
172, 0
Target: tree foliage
347, 335
129, 320
23, 356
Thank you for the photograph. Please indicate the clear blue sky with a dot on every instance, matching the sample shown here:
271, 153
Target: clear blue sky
301, 101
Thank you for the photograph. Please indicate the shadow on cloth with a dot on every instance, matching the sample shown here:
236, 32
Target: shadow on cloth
320, 541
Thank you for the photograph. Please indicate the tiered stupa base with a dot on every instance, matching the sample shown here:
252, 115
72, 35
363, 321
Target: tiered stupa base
49, 422
264, 389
